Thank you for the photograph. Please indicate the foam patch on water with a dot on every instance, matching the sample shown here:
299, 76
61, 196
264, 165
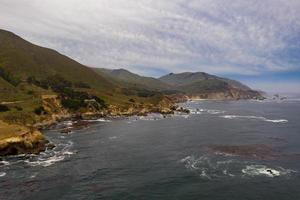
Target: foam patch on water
51, 157
98, 120
149, 117
206, 167
205, 111
2, 174
212, 166
4, 163
254, 118
262, 170
113, 137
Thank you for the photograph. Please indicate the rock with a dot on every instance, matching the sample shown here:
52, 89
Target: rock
50, 145
183, 110
24, 142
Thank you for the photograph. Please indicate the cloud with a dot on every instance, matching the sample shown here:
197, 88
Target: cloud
217, 36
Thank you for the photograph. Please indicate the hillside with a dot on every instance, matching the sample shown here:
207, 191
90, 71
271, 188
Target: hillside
24, 59
129, 79
37, 83
203, 85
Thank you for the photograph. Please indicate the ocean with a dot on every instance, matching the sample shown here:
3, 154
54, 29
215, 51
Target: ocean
231, 150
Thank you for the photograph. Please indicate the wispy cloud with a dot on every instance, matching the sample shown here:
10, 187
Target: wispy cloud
218, 36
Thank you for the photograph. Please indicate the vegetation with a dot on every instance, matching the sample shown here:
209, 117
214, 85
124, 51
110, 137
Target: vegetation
40, 110
70, 98
9, 77
3, 108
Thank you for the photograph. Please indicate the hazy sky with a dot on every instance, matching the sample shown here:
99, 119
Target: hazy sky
256, 41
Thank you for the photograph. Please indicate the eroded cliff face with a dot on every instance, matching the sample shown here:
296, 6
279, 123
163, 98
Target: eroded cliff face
55, 111
16, 139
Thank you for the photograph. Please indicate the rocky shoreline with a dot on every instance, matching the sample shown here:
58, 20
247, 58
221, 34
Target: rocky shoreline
27, 139
32, 141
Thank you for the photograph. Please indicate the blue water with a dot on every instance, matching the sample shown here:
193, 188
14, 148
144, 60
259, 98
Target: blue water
168, 158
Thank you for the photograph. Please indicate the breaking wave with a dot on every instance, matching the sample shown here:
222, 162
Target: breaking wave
206, 111
98, 120
254, 118
50, 157
2, 174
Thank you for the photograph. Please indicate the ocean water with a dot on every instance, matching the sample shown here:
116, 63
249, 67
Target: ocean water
231, 150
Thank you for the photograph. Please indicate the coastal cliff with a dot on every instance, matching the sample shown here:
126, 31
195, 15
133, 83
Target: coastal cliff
16, 139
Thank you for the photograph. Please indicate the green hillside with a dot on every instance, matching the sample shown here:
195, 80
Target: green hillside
129, 79
24, 59
201, 80
204, 85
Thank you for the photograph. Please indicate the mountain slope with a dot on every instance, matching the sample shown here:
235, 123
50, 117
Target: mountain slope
129, 79
24, 59
203, 85
37, 83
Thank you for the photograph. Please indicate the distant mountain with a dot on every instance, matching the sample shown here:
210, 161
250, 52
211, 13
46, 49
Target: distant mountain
129, 79
203, 85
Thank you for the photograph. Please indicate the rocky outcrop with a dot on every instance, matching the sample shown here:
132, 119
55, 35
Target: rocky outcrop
15, 139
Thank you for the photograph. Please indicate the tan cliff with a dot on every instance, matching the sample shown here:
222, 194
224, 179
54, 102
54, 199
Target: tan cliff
17, 139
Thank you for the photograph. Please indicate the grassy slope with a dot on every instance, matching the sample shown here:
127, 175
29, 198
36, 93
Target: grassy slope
24, 59
129, 79
201, 82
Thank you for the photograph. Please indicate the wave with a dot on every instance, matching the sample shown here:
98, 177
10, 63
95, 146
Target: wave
149, 117
4, 163
254, 118
48, 158
113, 137
207, 111
98, 120
2, 174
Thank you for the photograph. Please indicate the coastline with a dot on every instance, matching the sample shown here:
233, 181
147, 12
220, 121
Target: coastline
32, 140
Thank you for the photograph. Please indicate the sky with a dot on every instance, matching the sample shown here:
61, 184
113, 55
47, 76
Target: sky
254, 41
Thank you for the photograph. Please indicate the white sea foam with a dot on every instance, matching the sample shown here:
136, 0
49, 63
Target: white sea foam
216, 166
205, 111
262, 170
46, 163
254, 118
2, 174
5, 163
98, 120
68, 123
113, 137
33, 175
151, 117
51, 157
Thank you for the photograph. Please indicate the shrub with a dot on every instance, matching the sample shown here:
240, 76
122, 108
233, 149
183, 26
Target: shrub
73, 104
145, 93
30, 92
81, 85
3, 108
18, 108
39, 110
9, 77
